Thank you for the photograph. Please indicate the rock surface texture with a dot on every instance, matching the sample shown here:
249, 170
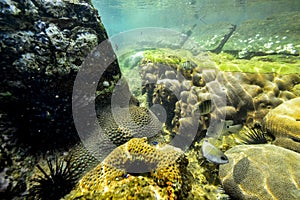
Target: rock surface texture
283, 123
43, 44
261, 172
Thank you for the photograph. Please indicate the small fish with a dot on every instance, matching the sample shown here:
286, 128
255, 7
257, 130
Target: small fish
188, 65
213, 154
229, 128
205, 107
223, 127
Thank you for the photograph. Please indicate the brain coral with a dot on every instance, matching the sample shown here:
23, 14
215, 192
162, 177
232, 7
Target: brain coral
159, 167
121, 124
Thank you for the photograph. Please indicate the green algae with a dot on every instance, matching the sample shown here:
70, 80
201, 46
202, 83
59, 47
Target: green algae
181, 58
279, 64
164, 56
260, 64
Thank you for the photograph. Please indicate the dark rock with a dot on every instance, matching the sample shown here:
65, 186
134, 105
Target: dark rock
43, 44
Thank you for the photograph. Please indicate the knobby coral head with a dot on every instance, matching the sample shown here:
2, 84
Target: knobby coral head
159, 168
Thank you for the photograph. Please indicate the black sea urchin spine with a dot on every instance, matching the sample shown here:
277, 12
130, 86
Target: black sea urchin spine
55, 184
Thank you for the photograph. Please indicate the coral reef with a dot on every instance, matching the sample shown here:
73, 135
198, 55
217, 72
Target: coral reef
283, 123
117, 126
168, 79
181, 84
240, 92
122, 124
128, 123
43, 45
261, 171
160, 168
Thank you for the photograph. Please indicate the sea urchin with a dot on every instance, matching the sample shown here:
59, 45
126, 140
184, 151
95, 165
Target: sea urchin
253, 135
55, 182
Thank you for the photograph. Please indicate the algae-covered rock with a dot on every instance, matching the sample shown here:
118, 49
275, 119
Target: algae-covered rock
283, 123
261, 172
279, 64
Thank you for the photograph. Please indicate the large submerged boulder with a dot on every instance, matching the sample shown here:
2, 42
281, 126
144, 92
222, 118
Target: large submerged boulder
261, 172
43, 44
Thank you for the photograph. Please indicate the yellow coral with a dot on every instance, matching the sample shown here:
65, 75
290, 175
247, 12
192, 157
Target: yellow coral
161, 166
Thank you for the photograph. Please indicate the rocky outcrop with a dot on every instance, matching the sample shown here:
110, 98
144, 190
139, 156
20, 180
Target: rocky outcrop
43, 44
261, 172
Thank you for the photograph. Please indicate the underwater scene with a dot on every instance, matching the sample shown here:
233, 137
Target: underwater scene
157, 100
